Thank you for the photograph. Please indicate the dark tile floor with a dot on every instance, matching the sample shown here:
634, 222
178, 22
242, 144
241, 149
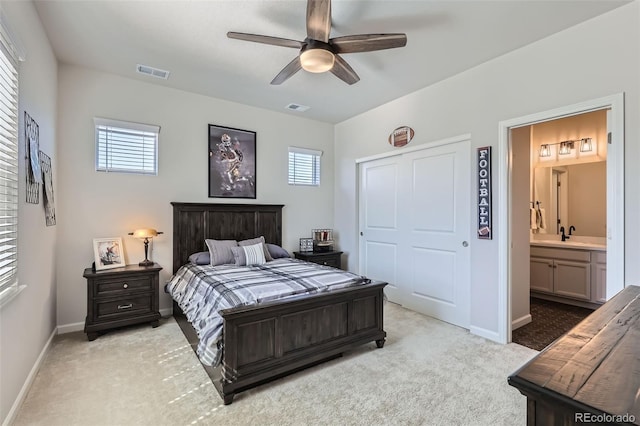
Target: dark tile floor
550, 320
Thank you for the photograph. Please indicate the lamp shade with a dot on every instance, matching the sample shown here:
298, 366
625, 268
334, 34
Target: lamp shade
145, 233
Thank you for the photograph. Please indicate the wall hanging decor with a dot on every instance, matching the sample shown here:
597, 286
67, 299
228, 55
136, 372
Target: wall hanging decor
32, 149
484, 193
232, 162
401, 136
47, 189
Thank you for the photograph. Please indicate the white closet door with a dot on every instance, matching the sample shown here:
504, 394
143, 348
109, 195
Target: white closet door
379, 221
436, 231
415, 220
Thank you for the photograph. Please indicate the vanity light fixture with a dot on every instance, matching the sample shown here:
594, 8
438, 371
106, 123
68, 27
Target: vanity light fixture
545, 150
586, 145
566, 148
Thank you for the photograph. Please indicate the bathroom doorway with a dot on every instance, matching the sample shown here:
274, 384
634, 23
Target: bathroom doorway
514, 244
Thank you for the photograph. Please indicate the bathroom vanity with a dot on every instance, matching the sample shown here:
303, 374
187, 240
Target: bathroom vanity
569, 272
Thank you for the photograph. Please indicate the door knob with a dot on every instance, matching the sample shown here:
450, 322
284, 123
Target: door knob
465, 244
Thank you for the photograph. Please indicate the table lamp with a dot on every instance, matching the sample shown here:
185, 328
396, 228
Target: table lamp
146, 234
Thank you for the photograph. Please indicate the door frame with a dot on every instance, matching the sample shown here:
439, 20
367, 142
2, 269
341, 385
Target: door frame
615, 197
359, 220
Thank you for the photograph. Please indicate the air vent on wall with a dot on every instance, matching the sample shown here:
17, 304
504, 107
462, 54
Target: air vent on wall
297, 107
154, 72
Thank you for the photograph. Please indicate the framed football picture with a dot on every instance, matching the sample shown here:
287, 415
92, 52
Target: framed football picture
232, 162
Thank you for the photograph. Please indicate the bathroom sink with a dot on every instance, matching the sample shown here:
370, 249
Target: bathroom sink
569, 244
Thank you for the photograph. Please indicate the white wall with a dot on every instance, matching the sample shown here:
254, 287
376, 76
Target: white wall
27, 322
93, 204
539, 77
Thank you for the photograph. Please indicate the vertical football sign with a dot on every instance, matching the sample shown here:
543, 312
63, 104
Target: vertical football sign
484, 193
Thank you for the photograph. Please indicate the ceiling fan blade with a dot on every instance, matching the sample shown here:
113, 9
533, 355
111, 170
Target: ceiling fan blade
368, 42
344, 72
276, 41
319, 19
292, 68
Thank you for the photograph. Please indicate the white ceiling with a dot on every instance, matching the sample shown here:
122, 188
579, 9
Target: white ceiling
188, 38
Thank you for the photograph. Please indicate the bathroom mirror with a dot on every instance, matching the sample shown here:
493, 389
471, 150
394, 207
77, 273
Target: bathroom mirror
573, 195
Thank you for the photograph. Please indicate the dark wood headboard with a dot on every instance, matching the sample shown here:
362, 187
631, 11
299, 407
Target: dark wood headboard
195, 222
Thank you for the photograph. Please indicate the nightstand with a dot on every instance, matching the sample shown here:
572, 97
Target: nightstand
329, 258
121, 296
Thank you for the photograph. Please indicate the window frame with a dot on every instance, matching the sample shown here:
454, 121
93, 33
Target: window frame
316, 157
140, 131
12, 54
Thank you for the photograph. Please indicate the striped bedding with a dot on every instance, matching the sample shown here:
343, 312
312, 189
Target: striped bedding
203, 291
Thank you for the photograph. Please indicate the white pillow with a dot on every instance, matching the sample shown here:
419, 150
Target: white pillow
249, 255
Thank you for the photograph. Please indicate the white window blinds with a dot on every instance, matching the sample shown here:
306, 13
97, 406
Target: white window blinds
8, 165
304, 166
126, 147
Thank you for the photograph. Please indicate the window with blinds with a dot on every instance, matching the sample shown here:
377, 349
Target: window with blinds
8, 167
304, 166
126, 147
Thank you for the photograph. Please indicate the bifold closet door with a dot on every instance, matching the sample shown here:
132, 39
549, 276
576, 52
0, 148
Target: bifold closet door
379, 212
415, 222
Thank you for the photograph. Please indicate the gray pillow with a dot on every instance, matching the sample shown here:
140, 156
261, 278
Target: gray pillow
249, 255
276, 251
220, 251
258, 240
200, 258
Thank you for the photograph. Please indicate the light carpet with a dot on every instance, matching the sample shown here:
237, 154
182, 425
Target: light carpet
428, 373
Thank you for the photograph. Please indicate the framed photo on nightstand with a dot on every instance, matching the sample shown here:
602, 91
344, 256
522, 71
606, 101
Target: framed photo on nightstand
306, 244
108, 253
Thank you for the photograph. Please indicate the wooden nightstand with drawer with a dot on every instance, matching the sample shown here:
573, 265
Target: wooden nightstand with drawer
121, 296
329, 258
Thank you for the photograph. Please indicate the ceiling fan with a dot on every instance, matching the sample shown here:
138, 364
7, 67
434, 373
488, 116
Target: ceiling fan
318, 52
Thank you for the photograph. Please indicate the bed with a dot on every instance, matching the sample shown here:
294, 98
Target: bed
273, 339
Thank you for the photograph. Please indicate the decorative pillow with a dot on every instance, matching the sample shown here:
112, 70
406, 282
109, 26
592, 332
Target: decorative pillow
249, 255
276, 251
259, 240
200, 258
220, 251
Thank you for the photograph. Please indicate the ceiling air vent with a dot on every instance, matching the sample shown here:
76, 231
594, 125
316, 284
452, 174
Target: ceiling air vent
297, 107
153, 72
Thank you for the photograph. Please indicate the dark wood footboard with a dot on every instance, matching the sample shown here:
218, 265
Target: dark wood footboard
271, 340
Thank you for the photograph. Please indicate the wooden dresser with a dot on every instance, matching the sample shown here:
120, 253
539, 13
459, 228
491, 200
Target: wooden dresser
121, 296
591, 375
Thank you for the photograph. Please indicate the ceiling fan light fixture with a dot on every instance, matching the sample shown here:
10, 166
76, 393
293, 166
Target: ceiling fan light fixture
317, 60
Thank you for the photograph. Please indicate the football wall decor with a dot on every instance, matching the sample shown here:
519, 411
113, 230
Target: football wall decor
401, 136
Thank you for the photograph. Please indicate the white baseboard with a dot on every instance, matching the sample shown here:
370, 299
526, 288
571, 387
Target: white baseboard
166, 312
27, 383
523, 320
487, 334
70, 328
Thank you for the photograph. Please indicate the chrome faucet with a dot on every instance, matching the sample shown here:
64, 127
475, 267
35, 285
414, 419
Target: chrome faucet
571, 228
565, 237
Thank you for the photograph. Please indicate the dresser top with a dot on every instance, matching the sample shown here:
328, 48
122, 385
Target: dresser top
597, 363
128, 269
